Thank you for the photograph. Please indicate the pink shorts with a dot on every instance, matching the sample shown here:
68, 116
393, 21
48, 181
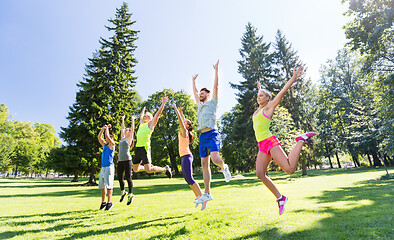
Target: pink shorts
267, 144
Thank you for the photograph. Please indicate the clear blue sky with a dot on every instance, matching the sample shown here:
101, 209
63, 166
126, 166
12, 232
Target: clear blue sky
45, 45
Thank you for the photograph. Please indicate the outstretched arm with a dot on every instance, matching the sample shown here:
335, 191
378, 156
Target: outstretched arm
180, 119
258, 85
278, 98
216, 81
153, 122
195, 91
122, 133
131, 137
107, 138
142, 115
100, 136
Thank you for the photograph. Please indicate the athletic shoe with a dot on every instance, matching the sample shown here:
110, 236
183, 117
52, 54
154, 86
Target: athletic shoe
103, 205
130, 199
204, 205
304, 137
204, 197
168, 171
281, 203
109, 206
122, 197
226, 173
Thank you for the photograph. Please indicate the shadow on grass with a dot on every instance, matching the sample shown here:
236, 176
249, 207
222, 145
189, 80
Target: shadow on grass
74, 216
159, 222
365, 212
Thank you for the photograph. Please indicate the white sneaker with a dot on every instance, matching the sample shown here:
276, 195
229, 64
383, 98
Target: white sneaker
204, 197
226, 173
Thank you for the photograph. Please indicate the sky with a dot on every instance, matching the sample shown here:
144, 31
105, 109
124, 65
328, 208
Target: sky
45, 45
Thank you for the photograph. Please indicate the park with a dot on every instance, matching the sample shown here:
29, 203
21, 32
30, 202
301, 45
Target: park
175, 120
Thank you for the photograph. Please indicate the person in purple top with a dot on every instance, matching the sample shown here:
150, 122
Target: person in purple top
107, 172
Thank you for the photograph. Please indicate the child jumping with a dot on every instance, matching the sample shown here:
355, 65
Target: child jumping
269, 146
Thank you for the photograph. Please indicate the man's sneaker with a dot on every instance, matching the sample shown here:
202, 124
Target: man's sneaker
204, 197
109, 206
103, 205
168, 171
122, 197
281, 203
304, 137
226, 173
130, 200
204, 205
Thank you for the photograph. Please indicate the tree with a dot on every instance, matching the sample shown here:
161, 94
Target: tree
371, 32
348, 110
8, 142
105, 93
164, 140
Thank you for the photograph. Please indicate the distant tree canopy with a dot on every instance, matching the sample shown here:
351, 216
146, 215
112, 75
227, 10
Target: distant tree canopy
25, 146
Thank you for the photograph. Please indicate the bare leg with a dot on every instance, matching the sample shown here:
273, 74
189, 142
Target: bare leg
138, 167
109, 195
288, 164
217, 160
103, 193
196, 189
262, 162
151, 169
206, 173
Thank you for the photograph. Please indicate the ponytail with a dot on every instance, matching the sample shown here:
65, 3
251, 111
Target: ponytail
189, 131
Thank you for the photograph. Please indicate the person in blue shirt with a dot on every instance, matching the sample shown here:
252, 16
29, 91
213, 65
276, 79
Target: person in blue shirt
107, 172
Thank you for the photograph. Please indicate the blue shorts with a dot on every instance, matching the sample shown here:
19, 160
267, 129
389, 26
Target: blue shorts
209, 141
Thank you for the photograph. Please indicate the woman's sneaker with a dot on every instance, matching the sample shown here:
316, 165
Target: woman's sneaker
281, 203
130, 200
122, 197
304, 137
168, 171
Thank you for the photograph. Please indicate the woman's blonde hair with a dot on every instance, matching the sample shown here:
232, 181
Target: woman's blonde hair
266, 92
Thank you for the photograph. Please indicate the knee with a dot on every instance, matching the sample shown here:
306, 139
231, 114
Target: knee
289, 170
204, 164
262, 175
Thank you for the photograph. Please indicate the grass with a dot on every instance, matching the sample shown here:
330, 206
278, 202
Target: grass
326, 204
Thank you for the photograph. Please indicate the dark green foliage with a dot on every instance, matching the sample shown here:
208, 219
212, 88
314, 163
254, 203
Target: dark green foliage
164, 140
106, 92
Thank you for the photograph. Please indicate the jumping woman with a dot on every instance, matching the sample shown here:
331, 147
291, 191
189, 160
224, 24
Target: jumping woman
125, 164
185, 138
142, 151
269, 146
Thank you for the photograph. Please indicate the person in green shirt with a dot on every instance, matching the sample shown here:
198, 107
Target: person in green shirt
142, 159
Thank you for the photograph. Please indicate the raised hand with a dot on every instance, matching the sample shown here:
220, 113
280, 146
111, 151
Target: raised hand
297, 73
258, 85
180, 109
195, 77
165, 99
216, 66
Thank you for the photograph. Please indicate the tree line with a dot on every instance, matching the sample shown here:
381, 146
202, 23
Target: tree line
351, 107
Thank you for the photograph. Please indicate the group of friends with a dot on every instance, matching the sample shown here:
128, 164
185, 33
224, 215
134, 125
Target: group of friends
209, 146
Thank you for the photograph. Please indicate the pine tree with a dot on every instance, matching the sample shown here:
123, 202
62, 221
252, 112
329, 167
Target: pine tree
106, 92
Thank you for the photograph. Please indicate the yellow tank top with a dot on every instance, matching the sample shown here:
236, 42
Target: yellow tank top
261, 126
143, 136
184, 145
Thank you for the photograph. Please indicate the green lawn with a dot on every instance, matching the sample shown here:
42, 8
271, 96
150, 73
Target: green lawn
326, 204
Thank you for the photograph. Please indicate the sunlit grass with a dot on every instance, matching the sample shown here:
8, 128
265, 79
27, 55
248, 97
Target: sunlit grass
327, 204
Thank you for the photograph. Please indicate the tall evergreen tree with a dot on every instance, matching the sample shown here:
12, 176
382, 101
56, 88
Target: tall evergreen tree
106, 92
